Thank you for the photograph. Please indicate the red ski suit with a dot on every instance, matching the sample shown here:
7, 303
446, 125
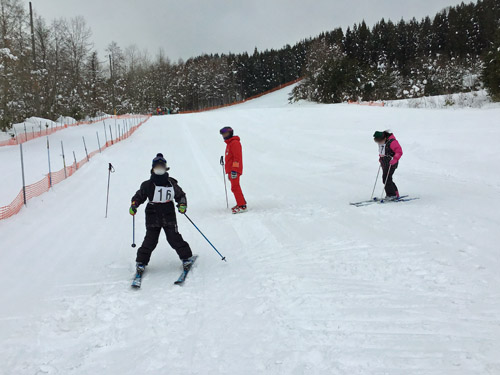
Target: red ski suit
234, 163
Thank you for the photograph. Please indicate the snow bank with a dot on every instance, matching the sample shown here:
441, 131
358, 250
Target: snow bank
475, 99
37, 124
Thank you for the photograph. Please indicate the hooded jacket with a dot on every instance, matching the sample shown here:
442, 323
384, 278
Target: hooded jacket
160, 209
234, 156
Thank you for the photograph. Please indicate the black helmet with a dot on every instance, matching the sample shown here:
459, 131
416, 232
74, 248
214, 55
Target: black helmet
227, 129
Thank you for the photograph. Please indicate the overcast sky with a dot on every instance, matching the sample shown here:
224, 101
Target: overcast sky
186, 28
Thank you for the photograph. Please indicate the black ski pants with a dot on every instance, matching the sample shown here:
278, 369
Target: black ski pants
174, 239
390, 188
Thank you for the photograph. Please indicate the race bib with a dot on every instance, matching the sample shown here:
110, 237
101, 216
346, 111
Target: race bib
381, 150
163, 194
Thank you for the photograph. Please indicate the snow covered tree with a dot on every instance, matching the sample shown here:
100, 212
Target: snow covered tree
491, 75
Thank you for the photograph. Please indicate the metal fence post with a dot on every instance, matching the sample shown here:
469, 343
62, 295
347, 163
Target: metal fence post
22, 171
111, 134
105, 135
64, 160
98, 142
85, 146
76, 164
48, 155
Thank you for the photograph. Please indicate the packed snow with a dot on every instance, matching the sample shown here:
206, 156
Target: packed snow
312, 285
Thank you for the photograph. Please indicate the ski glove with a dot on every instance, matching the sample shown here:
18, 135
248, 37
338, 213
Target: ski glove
234, 175
393, 162
133, 209
182, 208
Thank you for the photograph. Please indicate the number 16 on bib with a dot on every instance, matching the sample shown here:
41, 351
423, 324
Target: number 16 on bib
163, 194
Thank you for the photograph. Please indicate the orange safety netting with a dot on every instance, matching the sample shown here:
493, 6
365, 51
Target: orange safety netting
42, 186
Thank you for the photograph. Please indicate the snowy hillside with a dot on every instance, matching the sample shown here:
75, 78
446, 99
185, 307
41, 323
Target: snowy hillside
312, 285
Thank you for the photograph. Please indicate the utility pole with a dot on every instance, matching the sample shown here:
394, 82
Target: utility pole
112, 84
34, 75
32, 37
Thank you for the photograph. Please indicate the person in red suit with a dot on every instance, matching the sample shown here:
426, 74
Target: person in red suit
234, 167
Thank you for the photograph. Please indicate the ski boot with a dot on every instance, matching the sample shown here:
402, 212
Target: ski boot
140, 267
187, 263
239, 209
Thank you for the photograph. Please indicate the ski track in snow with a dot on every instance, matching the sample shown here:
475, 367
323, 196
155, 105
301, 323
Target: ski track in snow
311, 284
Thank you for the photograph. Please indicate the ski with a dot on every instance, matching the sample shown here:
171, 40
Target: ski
136, 283
403, 198
185, 272
364, 203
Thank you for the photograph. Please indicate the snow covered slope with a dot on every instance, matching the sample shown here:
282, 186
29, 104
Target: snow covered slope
312, 285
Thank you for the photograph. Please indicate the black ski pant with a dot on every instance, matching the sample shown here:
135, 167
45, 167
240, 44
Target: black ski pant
174, 239
390, 188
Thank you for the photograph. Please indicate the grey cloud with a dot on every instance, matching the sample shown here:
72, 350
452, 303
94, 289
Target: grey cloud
186, 28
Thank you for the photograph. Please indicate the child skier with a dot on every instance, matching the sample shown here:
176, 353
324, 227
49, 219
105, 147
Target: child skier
160, 191
390, 152
234, 167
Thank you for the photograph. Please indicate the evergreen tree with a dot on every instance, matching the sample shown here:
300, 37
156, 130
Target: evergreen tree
491, 75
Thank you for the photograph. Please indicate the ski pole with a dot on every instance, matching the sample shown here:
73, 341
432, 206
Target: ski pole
111, 169
133, 231
376, 180
224, 178
385, 183
205, 237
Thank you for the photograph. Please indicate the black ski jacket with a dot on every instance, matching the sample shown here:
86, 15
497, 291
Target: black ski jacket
159, 214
